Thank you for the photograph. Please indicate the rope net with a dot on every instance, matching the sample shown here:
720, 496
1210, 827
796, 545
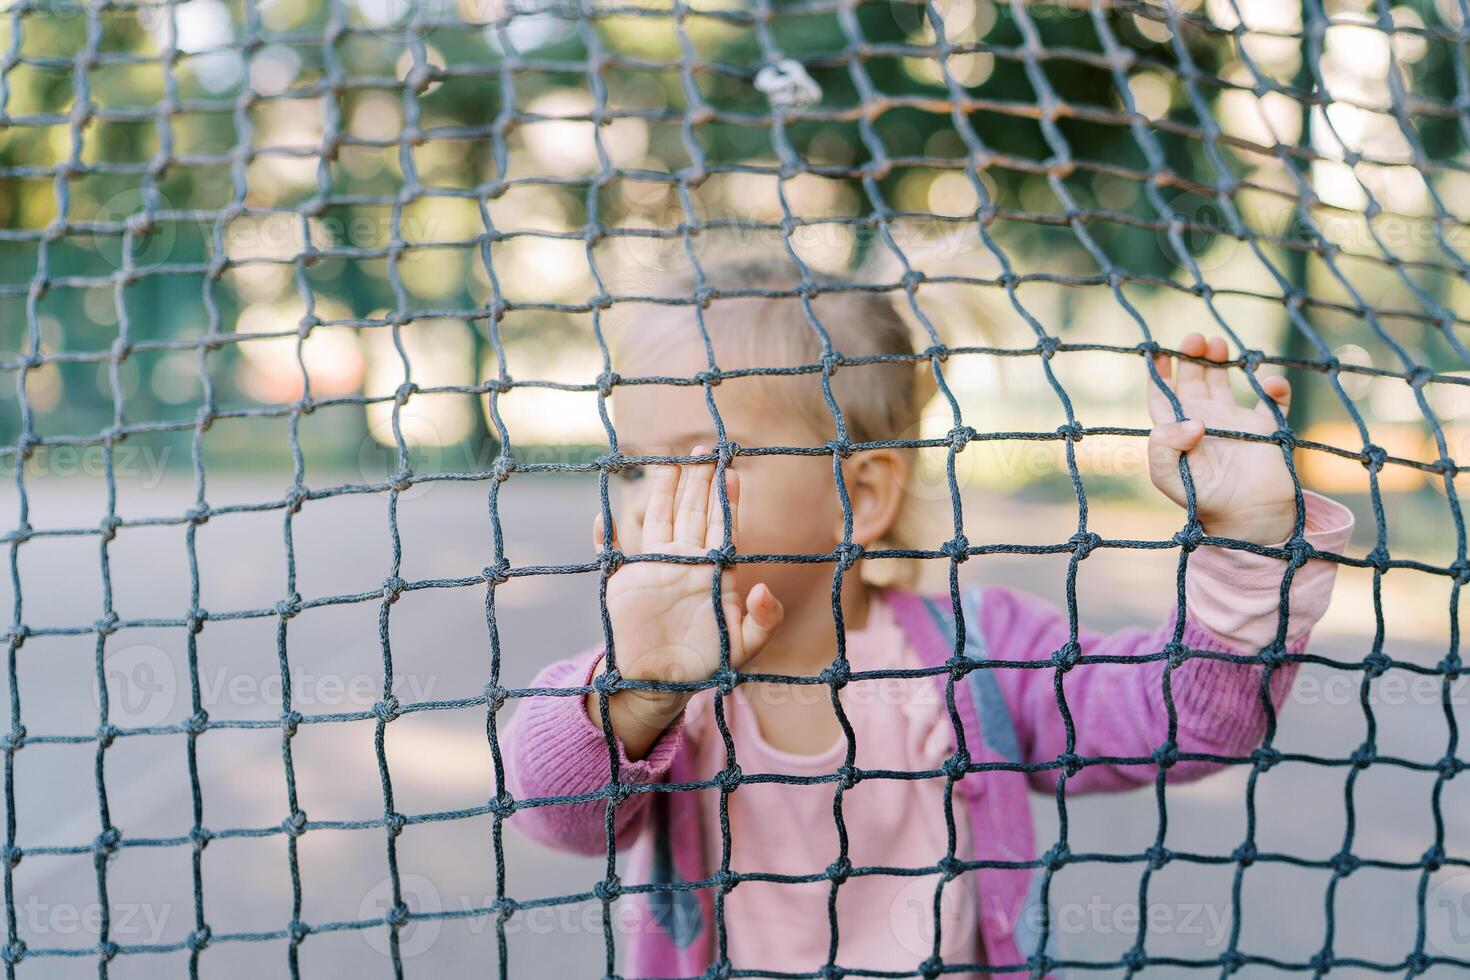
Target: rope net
234, 200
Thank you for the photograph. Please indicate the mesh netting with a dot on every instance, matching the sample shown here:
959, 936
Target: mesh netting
216, 196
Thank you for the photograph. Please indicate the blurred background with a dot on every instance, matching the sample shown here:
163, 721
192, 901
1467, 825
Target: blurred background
231, 232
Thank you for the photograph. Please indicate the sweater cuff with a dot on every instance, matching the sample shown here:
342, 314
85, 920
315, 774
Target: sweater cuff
652, 768
1218, 702
1235, 595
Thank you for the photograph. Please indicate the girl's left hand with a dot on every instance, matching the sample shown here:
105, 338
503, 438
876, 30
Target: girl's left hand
1242, 488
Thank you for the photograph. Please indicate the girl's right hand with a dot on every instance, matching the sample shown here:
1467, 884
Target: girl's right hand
663, 617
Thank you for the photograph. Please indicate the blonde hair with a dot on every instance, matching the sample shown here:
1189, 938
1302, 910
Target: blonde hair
879, 400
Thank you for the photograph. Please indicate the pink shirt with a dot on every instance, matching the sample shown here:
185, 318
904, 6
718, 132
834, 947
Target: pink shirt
885, 922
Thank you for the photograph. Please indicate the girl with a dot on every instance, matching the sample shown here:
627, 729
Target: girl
891, 794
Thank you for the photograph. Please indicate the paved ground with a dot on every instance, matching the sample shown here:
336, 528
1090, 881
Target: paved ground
440, 760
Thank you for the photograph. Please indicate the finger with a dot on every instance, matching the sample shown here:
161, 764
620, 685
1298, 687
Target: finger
1190, 378
1218, 379
691, 510
658, 516
1159, 408
714, 535
1278, 389
763, 616
1165, 443
599, 540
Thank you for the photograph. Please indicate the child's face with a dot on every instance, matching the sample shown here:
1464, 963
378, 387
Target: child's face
788, 504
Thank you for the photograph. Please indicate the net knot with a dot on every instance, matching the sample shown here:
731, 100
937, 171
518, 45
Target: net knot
1378, 558
1433, 858
606, 382
195, 620
299, 931
106, 735
1066, 656
716, 971
108, 951
1176, 653
839, 447
403, 393
848, 553
726, 880
108, 527
1376, 663
1451, 666
1345, 863
1232, 960
608, 888
960, 436
495, 697
1166, 755
1047, 346
107, 625
502, 468
289, 606
1419, 377
787, 85
397, 915
1273, 656
931, 968
728, 779
496, 574
294, 498
105, 844
1189, 537
1460, 570
725, 680
1322, 962
392, 588
611, 560
198, 939
1071, 764
839, 870
1071, 431
957, 764
1418, 962
1135, 959
290, 721
197, 515
1301, 552
836, 674
710, 378
295, 824
1084, 543
197, 723
607, 682
1157, 856
17, 634
14, 952
848, 776
11, 856
959, 667
950, 867
505, 908
11, 742
1449, 766
1057, 857
387, 709
1245, 855
956, 548
721, 557
613, 462
501, 805
1284, 438
1265, 757
200, 837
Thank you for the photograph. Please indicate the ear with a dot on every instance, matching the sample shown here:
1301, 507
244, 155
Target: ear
876, 484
